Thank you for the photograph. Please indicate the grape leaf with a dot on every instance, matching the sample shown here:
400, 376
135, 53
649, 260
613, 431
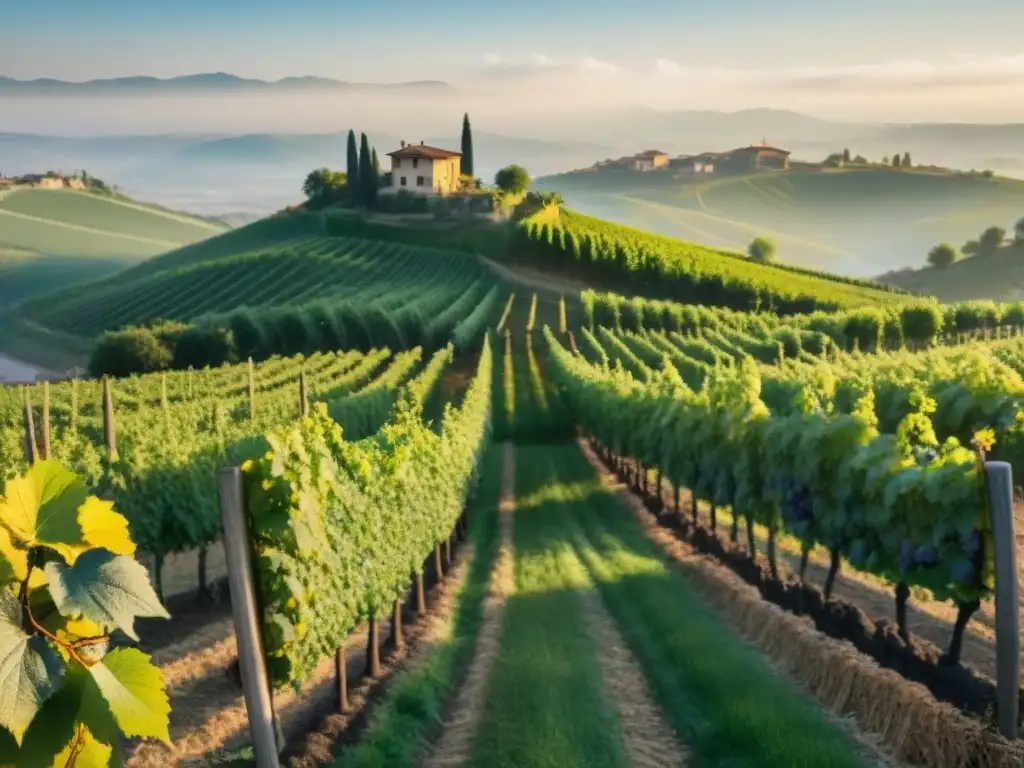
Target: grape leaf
30, 670
41, 506
84, 751
53, 727
13, 560
133, 690
111, 590
103, 527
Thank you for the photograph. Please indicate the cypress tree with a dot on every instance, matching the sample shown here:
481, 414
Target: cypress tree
353, 169
467, 146
367, 184
376, 178
906, 160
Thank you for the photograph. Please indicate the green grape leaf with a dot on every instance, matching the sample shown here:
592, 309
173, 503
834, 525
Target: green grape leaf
13, 559
30, 669
53, 728
126, 683
41, 506
111, 590
85, 751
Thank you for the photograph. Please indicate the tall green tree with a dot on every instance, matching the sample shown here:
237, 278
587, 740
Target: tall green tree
991, 240
367, 181
896, 160
376, 166
467, 146
906, 160
846, 155
512, 179
942, 255
353, 169
762, 250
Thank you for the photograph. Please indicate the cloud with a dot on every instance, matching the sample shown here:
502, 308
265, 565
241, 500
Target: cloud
541, 64
960, 70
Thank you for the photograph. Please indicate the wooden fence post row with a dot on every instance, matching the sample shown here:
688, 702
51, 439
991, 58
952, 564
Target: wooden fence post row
1000, 496
238, 552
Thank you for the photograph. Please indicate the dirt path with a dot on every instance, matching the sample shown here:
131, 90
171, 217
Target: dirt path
648, 740
716, 582
453, 747
531, 278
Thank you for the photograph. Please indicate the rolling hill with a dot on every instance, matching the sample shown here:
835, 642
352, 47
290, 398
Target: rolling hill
51, 238
999, 277
856, 222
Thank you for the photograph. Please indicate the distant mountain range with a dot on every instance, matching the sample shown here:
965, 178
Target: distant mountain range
200, 83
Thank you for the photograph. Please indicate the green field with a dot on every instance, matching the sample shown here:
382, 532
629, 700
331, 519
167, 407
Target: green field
50, 239
853, 222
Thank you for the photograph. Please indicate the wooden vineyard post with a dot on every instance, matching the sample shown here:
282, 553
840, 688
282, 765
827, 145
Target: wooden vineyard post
421, 600
238, 553
45, 450
397, 636
373, 649
438, 567
31, 450
109, 428
74, 403
1000, 501
303, 400
341, 675
252, 392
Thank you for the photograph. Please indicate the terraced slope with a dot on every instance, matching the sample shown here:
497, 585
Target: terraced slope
50, 239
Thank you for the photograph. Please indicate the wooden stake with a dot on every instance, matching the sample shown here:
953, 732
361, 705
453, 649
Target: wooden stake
252, 392
109, 428
45, 452
341, 677
31, 451
373, 649
303, 400
397, 637
421, 600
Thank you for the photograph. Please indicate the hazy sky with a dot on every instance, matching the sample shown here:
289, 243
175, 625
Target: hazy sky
871, 59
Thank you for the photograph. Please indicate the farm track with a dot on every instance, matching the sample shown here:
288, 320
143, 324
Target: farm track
454, 745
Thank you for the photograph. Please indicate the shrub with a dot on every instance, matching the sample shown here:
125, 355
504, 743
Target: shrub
129, 351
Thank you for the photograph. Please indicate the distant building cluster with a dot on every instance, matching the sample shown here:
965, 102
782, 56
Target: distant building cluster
43, 181
756, 156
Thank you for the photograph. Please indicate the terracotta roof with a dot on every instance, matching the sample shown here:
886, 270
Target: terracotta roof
422, 150
762, 148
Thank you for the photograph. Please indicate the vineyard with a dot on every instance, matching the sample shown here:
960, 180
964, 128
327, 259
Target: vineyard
466, 521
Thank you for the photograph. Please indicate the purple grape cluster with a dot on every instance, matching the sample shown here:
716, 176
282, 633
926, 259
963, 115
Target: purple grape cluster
925, 555
797, 506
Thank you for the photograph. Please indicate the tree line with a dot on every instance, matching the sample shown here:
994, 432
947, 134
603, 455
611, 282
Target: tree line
988, 244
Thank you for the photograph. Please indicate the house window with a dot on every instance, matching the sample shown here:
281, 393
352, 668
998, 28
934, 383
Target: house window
419, 181
415, 162
403, 181
398, 162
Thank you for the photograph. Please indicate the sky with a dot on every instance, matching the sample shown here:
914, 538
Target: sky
872, 59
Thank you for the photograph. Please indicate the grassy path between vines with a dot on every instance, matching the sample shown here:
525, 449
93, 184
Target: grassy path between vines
556, 698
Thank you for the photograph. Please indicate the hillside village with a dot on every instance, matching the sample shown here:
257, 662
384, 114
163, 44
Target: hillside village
54, 180
758, 156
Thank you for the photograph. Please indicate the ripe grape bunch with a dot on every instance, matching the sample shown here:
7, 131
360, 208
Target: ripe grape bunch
798, 508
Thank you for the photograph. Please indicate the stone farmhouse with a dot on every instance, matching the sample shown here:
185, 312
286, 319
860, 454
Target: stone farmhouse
651, 160
43, 181
424, 170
